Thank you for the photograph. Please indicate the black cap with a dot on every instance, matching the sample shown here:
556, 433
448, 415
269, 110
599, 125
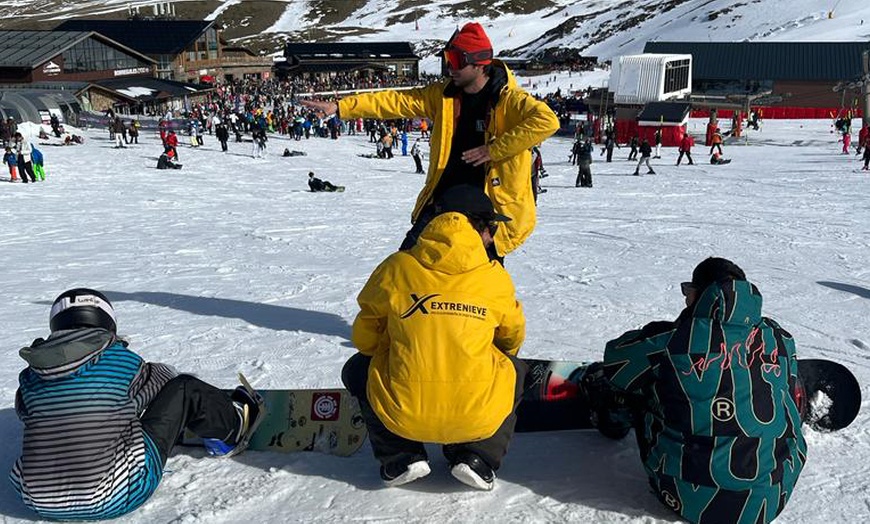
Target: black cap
715, 270
470, 201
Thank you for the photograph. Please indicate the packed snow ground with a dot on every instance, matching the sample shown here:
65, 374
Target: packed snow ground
231, 265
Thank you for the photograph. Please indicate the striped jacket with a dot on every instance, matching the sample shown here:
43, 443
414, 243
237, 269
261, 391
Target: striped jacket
85, 455
721, 435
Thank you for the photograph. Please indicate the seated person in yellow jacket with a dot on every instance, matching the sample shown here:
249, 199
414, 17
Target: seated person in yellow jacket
438, 332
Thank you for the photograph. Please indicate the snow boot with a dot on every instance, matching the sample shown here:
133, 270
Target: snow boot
472, 471
398, 474
609, 413
650, 172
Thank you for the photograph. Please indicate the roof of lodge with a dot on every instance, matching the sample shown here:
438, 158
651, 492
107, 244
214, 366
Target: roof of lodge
29, 49
671, 112
800, 61
152, 37
353, 50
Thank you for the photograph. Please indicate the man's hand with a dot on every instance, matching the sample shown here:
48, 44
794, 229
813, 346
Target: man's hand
477, 156
328, 108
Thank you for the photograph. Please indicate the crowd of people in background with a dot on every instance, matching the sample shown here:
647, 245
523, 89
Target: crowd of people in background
256, 108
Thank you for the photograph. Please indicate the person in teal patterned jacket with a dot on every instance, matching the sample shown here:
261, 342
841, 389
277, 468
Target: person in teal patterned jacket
716, 422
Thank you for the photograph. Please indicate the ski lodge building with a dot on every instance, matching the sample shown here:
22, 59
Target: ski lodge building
184, 50
786, 79
136, 65
365, 59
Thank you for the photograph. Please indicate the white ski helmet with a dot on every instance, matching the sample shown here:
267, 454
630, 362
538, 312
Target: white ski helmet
82, 308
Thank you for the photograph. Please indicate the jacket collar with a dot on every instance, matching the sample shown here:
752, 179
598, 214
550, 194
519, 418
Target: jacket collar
66, 349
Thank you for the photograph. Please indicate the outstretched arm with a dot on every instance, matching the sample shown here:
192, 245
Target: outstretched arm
320, 106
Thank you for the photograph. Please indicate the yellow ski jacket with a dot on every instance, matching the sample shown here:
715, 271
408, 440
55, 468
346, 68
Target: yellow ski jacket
518, 122
438, 321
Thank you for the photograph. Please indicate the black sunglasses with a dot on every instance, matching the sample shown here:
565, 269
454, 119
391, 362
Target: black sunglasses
686, 287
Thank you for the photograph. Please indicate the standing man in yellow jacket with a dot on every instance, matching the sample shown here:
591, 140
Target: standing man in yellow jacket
438, 332
484, 127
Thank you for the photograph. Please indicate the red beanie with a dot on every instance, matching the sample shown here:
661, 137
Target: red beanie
472, 39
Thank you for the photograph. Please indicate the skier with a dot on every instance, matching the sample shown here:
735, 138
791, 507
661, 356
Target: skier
38, 164
862, 138
11, 160
418, 157
538, 172
488, 140
133, 131
609, 142
866, 157
633, 144
440, 367
23, 150
575, 150
713, 395
658, 140
686, 149
99, 422
54, 121
847, 141
645, 153
172, 144
258, 135
716, 141
222, 134
584, 160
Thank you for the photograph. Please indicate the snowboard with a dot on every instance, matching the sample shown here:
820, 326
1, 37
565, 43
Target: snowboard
831, 394
329, 420
323, 420
828, 396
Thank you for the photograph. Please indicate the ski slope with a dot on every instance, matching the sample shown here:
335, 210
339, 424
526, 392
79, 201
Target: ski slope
231, 265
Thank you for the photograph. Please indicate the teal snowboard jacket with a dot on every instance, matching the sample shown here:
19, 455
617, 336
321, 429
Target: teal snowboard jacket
718, 428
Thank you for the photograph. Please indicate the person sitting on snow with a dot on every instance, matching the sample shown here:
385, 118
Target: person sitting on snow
717, 159
167, 161
318, 185
100, 422
715, 401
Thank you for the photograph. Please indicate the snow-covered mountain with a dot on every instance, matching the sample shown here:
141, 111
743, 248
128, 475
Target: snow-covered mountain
520, 28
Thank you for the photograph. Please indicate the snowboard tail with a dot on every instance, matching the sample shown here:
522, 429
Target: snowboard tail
831, 394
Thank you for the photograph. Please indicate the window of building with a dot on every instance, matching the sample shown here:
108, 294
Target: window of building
91, 55
677, 75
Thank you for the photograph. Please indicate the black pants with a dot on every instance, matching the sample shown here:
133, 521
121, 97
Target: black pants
25, 169
714, 147
419, 163
584, 174
390, 448
187, 402
688, 155
223, 145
